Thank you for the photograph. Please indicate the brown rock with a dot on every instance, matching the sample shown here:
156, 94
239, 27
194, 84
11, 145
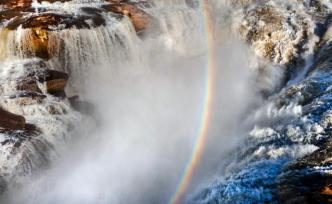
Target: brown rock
140, 19
55, 21
29, 98
28, 84
11, 121
56, 85
55, 81
11, 13
15, 3
327, 190
52, 1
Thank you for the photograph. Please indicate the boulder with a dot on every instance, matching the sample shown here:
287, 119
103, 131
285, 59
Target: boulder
11, 121
55, 81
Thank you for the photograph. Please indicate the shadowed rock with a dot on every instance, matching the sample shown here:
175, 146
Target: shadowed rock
11, 121
55, 81
28, 84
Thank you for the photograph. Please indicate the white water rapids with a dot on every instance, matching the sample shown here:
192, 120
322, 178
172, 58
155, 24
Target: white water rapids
148, 93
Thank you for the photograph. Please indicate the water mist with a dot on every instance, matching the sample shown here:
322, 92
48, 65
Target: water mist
149, 97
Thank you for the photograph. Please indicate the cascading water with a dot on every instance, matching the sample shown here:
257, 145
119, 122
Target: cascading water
151, 89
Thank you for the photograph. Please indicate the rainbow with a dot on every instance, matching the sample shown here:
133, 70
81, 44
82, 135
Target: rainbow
207, 110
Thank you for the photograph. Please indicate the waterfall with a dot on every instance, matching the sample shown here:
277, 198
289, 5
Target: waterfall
147, 91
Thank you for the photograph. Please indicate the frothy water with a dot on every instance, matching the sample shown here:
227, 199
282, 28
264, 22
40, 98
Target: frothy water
148, 92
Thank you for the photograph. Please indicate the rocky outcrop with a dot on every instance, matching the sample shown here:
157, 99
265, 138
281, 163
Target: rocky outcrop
54, 81
54, 21
283, 32
42, 23
11, 121
36, 117
141, 20
27, 109
308, 180
15, 3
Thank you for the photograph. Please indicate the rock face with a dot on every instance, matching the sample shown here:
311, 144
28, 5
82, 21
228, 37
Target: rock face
11, 121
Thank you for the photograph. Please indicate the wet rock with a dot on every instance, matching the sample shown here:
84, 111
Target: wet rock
306, 186
29, 98
16, 138
15, 3
140, 19
279, 33
13, 13
11, 121
307, 180
56, 85
321, 157
56, 81
28, 84
40, 29
55, 21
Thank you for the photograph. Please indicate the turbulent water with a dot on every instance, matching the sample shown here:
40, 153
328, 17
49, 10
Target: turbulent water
271, 104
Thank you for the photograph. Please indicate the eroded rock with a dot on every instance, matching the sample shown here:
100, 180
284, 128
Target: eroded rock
140, 19
278, 32
11, 121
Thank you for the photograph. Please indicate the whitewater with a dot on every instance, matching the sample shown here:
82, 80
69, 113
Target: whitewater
209, 104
